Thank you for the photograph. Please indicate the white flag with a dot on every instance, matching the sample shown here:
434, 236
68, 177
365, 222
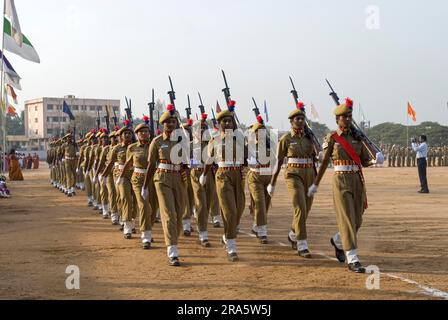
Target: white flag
11, 13
314, 113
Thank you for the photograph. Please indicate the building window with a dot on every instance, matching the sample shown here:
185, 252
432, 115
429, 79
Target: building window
35, 108
50, 107
100, 108
63, 119
49, 131
92, 108
59, 107
48, 119
84, 108
55, 119
116, 109
36, 120
37, 132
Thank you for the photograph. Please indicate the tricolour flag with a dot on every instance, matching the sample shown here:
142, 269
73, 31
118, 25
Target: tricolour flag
16, 32
11, 92
12, 111
411, 112
25, 50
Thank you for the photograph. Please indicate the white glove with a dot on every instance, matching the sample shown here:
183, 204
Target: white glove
144, 193
312, 190
119, 181
379, 158
202, 180
321, 156
271, 190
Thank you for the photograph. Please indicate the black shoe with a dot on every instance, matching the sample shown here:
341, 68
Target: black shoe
423, 191
191, 229
95, 208
115, 223
128, 236
174, 262
217, 224
205, 244
340, 255
356, 267
264, 240
305, 254
157, 220
293, 243
90, 205
233, 257
70, 195
134, 231
105, 217
187, 233
121, 227
147, 245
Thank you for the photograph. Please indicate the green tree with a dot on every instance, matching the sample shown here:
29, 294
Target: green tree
15, 125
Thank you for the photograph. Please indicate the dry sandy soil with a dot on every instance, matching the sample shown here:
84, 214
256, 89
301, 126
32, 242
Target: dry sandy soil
404, 234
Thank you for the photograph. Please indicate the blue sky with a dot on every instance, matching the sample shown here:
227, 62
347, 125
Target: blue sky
110, 48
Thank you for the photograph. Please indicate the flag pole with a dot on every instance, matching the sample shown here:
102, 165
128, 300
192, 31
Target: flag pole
407, 128
2, 83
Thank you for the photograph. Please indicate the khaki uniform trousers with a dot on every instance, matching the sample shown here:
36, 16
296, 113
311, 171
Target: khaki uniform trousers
349, 196
127, 202
144, 209
212, 196
298, 181
261, 200
88, 184
230, 191
112, 193
172, 194
189, 204
70, 173
200, 199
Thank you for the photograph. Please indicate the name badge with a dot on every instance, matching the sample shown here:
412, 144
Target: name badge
164, 146
293, 143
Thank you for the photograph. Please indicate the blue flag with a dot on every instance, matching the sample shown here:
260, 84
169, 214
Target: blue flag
266, 111
66, 109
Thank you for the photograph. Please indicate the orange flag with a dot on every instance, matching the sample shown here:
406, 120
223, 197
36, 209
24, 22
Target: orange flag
411, 112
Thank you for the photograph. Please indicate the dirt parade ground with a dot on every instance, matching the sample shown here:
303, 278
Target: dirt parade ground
42, 232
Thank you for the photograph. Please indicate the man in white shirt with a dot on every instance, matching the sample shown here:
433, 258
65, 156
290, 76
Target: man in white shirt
422, 153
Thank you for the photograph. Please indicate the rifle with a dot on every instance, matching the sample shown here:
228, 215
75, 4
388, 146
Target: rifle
316, 144
215, 122
172, 95
188, 110
256, 110
369, 144
152, 106
129, 110
201, 106
227, 95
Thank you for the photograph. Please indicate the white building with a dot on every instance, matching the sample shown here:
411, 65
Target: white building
44, 117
